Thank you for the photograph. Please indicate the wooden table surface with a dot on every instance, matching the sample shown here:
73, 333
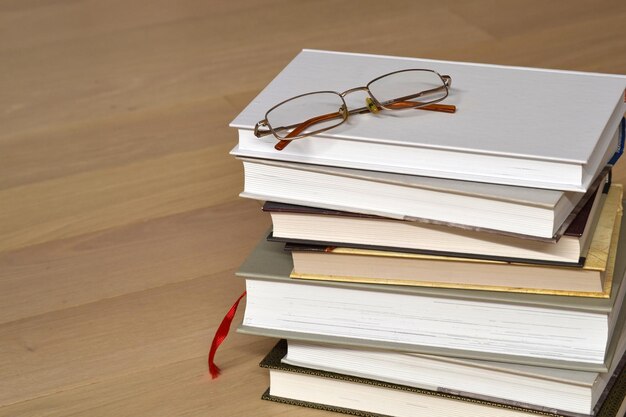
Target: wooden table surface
120, 221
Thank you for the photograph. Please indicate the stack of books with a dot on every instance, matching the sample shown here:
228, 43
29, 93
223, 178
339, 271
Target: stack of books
426, 263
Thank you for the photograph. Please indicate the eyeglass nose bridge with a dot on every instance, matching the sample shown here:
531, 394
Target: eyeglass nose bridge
372, 104
352, 90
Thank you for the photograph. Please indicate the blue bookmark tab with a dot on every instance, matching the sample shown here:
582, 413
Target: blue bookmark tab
620, 145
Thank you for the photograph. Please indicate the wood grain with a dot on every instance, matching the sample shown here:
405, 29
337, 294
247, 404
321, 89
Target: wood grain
120, 221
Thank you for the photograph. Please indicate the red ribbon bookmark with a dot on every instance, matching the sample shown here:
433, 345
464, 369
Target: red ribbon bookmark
220, 335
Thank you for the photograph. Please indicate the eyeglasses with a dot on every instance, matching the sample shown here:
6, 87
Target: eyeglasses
312, 113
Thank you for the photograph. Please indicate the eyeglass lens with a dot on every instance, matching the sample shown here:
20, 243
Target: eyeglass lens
414, 86
309, 114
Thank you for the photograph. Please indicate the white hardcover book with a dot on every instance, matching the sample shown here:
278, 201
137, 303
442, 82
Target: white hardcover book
523, 211
550, 388
516, 126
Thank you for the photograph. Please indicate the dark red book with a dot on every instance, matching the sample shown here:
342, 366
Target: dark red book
323, 227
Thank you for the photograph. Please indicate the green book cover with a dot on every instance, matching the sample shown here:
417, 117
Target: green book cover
608, 406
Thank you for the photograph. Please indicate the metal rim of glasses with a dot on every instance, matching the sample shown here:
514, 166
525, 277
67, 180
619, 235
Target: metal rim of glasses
343, 111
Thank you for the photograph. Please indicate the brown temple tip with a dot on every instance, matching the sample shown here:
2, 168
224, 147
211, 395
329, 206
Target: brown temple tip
282, 144
445, 108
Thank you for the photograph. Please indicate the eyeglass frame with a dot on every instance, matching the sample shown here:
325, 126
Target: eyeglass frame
373, 106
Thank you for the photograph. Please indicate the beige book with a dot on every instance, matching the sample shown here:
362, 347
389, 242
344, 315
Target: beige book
593, 279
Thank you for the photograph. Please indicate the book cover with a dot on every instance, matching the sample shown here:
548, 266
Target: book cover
612, 397
500, 131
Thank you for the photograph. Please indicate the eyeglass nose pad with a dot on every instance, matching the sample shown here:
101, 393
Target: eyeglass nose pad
371, 106
343, 110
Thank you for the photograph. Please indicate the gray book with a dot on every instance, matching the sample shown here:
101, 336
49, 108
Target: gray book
543, 330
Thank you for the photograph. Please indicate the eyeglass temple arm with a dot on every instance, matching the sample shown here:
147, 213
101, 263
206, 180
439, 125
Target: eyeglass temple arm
282, 144
422, 93
303, 126
443, 108
299, 127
